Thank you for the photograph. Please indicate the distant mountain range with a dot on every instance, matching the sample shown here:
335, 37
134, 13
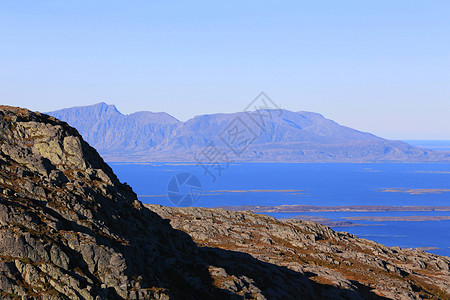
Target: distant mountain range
260, 136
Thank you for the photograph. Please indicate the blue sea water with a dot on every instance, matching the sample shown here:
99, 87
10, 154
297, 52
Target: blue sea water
314, 184
405, 234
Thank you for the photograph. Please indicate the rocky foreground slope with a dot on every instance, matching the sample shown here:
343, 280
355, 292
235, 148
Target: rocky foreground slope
324, 256
70, 230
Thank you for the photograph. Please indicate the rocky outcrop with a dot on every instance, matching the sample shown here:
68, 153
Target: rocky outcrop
344, 262
70, 230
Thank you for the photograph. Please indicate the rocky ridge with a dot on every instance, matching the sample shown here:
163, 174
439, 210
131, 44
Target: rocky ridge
70, 230
324, 256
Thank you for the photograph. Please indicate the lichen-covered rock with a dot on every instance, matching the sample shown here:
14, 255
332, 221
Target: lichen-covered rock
70, 229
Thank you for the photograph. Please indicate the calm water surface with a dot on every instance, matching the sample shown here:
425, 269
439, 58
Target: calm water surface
316, 184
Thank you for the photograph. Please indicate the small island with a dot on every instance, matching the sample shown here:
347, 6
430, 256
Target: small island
346, 208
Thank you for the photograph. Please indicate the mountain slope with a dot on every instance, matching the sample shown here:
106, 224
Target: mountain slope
103, 126
70, 230
272, 136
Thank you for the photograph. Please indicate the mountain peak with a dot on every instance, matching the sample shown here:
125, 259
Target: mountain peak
103, 107
154, 117
100, 104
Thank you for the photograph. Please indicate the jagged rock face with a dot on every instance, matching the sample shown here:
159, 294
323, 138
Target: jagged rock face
70, 230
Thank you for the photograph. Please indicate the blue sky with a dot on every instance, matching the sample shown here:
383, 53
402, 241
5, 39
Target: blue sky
377, 66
